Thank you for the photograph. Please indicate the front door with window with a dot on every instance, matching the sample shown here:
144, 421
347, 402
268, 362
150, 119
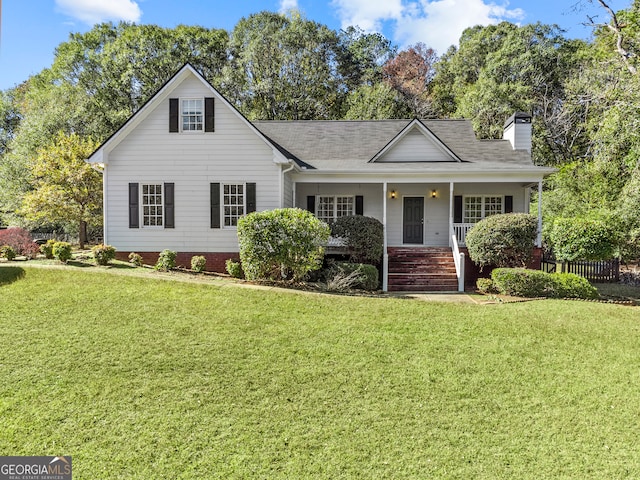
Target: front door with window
413, 220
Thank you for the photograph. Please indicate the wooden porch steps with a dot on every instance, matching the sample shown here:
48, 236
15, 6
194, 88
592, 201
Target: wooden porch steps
421, 269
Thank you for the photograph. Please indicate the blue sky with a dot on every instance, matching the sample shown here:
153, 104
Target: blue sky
31, 30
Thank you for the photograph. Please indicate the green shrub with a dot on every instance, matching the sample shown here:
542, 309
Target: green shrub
62, 251
198, 263
103, 254
583, 239
166, 260
234, 268
485, 285
503, 240
47, 248
364, 237
570, 285
136, 259
281, 244
342, 276
522, 282
7, 252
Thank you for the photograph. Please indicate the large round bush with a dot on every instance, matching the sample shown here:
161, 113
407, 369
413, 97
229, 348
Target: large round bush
281, 244
364, 237
506, 240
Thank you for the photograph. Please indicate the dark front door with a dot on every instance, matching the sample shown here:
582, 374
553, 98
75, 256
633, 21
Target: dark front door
413, 220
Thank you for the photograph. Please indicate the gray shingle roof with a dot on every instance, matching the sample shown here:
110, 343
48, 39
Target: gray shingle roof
350, 145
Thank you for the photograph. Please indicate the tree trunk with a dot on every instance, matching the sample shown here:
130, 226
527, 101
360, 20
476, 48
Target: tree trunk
82, 234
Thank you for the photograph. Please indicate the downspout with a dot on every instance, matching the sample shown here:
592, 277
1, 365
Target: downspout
539, 214
282, 182
385, 255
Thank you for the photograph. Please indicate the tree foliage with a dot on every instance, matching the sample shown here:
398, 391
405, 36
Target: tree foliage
66, 188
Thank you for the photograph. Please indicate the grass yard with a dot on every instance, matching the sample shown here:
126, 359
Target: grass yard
147, 378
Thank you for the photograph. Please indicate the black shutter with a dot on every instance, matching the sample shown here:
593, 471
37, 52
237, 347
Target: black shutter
359, 205
508, 204
215, 205
457, 209
134, 216
311, 203
209, 123
169, 210
251, 197
173, 115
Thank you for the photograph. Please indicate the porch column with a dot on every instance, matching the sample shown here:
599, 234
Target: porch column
539, 241
385, 256
450, 213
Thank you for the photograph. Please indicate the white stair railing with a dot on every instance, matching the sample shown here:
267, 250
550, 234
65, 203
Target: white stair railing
458, 258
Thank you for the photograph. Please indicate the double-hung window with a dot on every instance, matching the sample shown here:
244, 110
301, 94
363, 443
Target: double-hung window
152, 205
233, 200
329, 207
480, 206
192, 114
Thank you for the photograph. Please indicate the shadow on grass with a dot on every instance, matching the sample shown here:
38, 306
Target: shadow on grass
89, 264
10, 274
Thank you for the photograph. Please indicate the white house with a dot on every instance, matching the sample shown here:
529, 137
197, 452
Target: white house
182, 170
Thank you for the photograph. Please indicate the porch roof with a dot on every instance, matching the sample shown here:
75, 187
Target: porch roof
348, 146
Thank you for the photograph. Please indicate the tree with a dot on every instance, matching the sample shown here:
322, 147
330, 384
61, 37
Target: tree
66, 188
500, 69
362, 56
410, 73
620, 32
375, 102
283, 68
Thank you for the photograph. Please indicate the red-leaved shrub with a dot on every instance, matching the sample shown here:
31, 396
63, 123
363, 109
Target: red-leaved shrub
20, 240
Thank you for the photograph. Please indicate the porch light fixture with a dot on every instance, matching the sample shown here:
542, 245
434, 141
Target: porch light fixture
434, 193
393, 194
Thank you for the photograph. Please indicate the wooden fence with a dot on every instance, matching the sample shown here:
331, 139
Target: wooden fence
605, 271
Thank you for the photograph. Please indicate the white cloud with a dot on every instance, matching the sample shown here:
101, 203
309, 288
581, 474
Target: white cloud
367, 14
286, 5
96, 11
436, 23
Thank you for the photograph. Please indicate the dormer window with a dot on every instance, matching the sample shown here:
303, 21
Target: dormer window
192, 114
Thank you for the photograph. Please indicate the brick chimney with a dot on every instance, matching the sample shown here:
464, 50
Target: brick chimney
517, 130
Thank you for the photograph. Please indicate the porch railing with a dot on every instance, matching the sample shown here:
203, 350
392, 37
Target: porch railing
458, 259
460, 232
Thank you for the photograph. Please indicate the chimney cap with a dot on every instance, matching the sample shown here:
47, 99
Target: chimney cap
518, 117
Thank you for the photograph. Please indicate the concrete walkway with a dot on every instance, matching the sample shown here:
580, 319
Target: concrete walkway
445, 297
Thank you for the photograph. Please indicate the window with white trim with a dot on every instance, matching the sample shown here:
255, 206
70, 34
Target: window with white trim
152, 205
329, 208
480, 206
192, 114
233, 201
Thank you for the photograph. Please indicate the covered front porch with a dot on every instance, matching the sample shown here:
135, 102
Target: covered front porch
418, 215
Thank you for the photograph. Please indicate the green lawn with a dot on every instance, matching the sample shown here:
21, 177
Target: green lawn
142, 377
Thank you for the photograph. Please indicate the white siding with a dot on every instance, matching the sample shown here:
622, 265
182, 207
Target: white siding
232, 154
371, 193
516, 191
436, 213
415, 147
